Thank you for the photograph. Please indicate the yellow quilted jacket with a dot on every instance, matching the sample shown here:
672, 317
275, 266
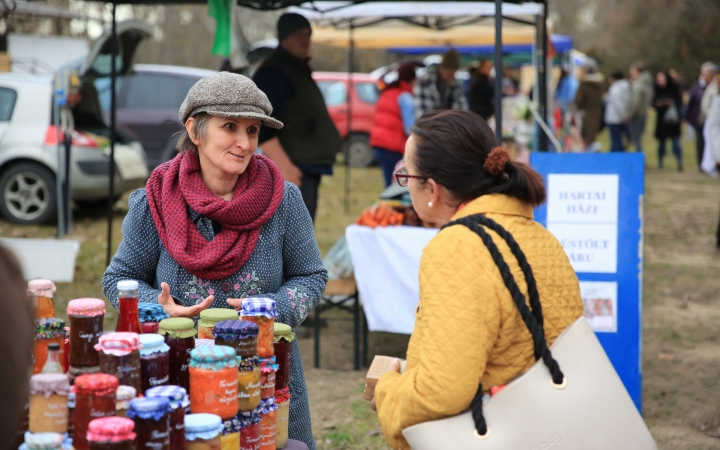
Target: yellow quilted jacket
468, 329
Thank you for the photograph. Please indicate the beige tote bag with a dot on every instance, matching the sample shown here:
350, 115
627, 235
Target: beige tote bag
570, 399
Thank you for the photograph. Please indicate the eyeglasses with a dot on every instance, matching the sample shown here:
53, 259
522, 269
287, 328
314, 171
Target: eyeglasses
403, 177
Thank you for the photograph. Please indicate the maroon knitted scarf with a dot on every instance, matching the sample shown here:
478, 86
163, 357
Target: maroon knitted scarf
176, 185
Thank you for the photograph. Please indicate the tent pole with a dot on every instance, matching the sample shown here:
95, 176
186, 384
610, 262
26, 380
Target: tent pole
498, 70
111, 162
351, 69
542, 77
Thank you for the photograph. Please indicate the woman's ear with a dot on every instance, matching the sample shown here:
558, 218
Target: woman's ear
190, 127
434, 190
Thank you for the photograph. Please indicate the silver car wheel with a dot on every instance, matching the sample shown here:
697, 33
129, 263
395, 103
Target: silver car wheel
26, 195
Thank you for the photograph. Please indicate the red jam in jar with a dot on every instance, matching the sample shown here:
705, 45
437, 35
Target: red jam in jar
150, 316
128, 318
180, 337
86, 326
179, 400
120, 356
154, 361
152, 422
283, 345
112, 433
94, 398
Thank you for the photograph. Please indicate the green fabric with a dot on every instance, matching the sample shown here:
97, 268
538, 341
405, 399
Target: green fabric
283, 331
219, 314
309, 135
220, 10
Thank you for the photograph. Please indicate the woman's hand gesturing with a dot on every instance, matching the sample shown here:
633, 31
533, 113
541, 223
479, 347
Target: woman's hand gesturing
175, 310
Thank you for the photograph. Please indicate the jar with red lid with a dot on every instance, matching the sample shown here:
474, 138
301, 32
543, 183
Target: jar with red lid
41, 294
268, 423
282, 418
111, 433
179, 335
150, 316
214, 381
283, 345
179, 400
154, 361
268, 368
94, 398
262, 311
250, 431
47, 331
120, 356
152, 422
86, 326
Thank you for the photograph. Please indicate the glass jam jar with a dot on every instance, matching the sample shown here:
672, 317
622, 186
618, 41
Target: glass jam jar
150, 316
41, 292
230, 438
268, 425
180, 337
123, 397
179, 400
22, 425
203, 432
261, 311
154, 361
268, 368
120, 356
152, 422
239, 334
213, 381
47, 331
71, 411
94, 398
212, 316
249, 384
42, 441
282, 418
49, 403
86, 326
128, 318
283, 344
112, 433
250, 432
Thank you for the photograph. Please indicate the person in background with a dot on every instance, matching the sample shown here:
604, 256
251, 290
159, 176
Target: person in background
667, 101
617, 109
482, 91
567, 88
589, 100
712, 135
394, 115
438, 89
17, 345
642, 93
306, 147
468, 330
510, 85
692, 112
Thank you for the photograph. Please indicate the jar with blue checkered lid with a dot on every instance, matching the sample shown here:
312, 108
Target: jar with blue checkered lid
213, 381
152, 422
179, 400
239, 334
263, 312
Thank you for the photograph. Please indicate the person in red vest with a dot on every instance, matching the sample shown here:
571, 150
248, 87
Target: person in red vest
394, 115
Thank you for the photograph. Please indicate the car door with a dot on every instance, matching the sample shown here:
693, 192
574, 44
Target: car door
335, 94
7, 105
150, 109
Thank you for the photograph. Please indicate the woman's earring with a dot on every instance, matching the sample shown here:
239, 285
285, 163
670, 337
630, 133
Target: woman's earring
429, 204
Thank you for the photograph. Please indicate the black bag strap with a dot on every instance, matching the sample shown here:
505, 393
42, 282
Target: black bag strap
537, 333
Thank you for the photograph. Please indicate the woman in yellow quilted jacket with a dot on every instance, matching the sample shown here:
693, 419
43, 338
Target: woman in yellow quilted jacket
468, 330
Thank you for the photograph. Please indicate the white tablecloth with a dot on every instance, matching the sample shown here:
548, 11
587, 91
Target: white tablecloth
386, 262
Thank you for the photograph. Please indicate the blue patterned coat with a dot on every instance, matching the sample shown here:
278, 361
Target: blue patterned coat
285, 266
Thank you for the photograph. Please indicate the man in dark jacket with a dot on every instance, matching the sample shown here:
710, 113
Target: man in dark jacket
692, 114
482, 91
305, 148
589, 100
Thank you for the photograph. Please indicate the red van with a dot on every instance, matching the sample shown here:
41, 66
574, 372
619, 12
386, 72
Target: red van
334, 87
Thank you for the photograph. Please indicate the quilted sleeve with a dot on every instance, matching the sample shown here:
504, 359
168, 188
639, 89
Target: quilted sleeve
457, 325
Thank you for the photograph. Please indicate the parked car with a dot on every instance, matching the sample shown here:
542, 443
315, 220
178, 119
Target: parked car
148, 101
334, 87
28, 140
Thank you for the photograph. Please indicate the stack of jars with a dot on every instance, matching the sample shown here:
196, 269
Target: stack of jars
120, 356
179, 400
95, 397
180, 337
242, 336
283, 341
86, 326
150, 315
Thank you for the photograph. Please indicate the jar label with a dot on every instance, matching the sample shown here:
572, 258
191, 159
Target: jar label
158, 382
96, 414
90, 337
127, 369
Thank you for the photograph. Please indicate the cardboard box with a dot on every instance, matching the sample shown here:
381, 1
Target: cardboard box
378, 367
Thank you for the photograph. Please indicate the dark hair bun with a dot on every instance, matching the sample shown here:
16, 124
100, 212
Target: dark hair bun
496, 161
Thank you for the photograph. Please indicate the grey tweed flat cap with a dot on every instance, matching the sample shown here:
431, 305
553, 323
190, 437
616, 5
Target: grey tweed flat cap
228, 94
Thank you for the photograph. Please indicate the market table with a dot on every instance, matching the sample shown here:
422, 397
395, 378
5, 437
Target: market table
386, 263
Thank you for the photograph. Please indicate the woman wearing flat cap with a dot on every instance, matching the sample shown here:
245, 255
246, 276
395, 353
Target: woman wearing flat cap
218, 223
